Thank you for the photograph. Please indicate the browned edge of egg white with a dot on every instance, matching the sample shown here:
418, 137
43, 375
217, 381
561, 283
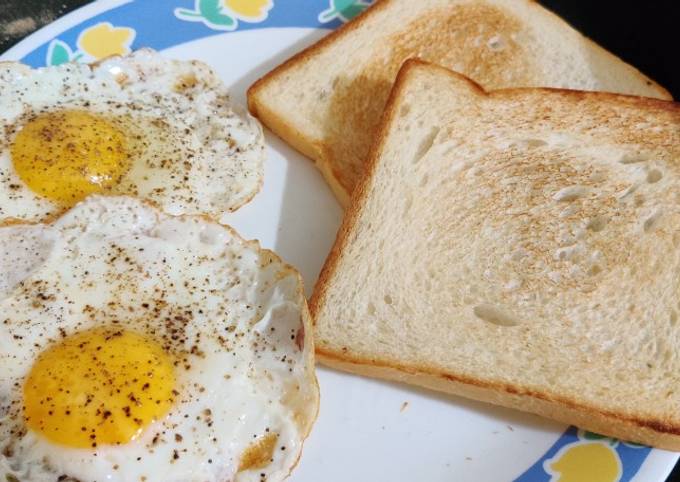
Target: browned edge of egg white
288, 269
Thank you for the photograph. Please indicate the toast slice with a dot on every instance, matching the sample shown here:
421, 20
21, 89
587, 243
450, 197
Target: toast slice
327, 100
519, 247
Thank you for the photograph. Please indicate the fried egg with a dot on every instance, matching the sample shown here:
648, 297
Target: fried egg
139, 346
140, 125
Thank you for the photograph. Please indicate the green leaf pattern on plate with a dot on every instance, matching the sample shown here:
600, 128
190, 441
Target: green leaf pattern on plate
209, 12
591, 436
58, 53
345, 10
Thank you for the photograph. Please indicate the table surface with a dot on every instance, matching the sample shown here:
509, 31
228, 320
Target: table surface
643, 34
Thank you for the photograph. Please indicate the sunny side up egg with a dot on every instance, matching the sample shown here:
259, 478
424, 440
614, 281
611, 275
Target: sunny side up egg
138, 346
140, 125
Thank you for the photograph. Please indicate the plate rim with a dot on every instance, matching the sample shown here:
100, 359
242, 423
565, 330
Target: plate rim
658, 463
59, 26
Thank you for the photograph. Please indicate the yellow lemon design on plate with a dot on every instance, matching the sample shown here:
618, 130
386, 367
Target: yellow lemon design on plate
103, 40
249, 9
585, 462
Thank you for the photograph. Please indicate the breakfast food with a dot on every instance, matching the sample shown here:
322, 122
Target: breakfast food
327, 103
140, 125
518, 247
135, 345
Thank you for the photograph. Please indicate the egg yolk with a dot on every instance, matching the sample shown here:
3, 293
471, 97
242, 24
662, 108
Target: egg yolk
66, 156
101, 386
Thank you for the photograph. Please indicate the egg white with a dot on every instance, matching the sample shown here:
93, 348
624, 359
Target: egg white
102, 261
179, 110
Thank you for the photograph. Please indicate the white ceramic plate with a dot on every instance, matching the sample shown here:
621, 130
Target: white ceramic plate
367, 430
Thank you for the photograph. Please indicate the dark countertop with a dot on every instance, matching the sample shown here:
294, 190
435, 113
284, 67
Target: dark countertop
644, 34
19, 18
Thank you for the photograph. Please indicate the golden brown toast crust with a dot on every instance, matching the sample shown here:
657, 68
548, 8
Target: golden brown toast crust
359, 101
657, 432
315, 149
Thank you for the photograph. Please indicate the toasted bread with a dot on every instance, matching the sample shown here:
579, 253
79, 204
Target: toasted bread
327, 100
518, 247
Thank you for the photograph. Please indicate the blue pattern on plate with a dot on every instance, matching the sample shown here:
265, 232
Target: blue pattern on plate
158, 27
631, 457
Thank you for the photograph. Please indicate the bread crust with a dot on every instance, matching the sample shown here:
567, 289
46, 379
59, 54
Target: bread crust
657, 433
361, 191
314, 149
651, 431
311, 148
318, 149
